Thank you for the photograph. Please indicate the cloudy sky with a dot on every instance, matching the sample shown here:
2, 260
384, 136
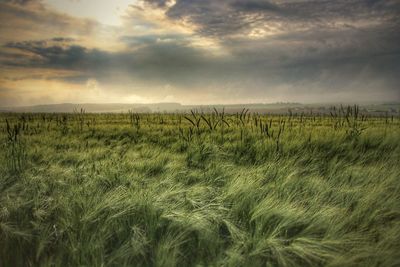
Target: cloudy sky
199, 51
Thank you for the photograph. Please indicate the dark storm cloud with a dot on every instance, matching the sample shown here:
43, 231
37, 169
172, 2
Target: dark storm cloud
221, 18
255, 70
306, 47
56, 53
256, 6
334, 45
167, 61
37, 44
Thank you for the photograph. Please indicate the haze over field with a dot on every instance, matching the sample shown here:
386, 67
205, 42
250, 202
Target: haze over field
198, 52
377, 109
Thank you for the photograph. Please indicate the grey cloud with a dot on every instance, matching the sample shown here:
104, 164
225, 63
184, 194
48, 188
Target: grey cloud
62, 39
19, 2
256, 6
158, 3
256, 70
222, 18
33, 45
151, 39
45, 54
321, 48
326, 43
160, 61
37, 20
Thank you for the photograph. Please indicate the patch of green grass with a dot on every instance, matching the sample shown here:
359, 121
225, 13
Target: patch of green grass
211, 190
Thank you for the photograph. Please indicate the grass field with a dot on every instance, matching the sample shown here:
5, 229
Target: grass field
200, 189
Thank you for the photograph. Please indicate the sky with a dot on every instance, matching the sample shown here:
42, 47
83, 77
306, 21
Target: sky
199, 51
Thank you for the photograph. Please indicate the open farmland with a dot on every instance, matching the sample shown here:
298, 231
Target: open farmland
200, 189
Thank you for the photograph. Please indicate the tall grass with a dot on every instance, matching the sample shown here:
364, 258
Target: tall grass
201, 189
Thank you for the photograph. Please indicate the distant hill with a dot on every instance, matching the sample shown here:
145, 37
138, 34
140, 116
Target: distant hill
382, 108
97, 108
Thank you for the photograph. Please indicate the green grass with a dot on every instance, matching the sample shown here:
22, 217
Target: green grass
222, 190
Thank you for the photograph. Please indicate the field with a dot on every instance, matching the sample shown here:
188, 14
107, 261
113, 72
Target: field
197, 189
